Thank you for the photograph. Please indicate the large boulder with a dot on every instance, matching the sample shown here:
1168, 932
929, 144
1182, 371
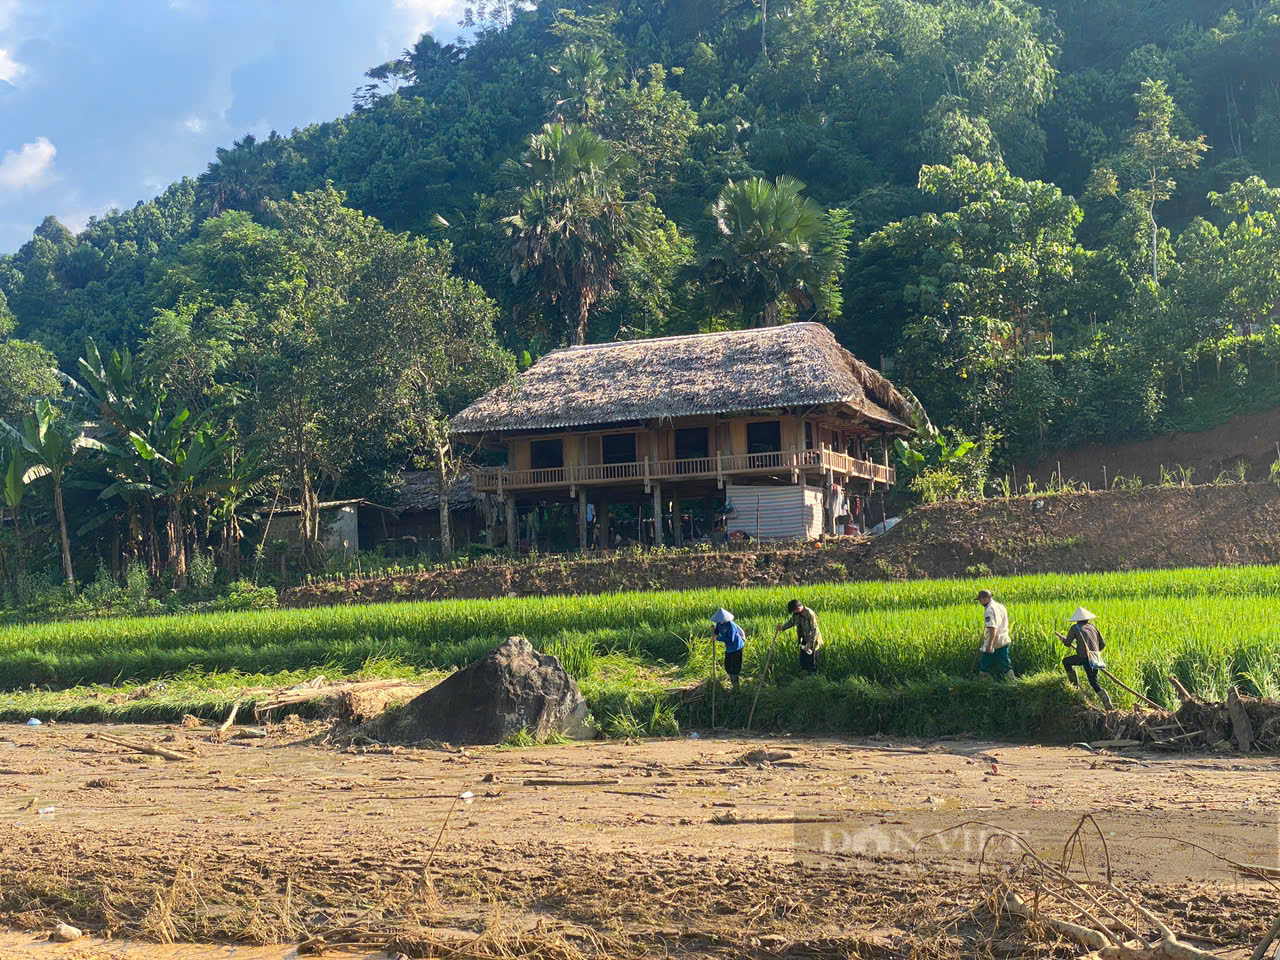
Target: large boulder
514, 688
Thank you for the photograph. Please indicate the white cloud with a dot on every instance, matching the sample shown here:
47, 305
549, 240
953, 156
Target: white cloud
193, 123
27, 167
10, 69
421, 15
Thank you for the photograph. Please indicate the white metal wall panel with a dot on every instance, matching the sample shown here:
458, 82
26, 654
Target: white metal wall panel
782, 513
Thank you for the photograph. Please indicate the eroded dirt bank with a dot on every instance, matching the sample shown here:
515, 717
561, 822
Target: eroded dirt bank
623, 849
1116, 530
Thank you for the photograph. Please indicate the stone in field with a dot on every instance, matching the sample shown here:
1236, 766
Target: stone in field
514, 688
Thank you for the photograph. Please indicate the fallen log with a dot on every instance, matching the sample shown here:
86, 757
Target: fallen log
154, 751
549, 782
231, 718
293, 696
1183, 694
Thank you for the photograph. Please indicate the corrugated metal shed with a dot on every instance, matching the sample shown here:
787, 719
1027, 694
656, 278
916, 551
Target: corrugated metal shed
775, 513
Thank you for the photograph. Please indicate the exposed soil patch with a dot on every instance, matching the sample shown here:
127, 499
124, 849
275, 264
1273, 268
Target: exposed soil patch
1118, 530
685, 570
1249, 439
1085, 532
697, 848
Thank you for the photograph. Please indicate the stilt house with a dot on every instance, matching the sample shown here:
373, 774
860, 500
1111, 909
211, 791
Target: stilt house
772, 425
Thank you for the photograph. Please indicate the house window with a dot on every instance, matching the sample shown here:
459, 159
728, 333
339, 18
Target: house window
546, 454
691, 443
618, 448
764, 437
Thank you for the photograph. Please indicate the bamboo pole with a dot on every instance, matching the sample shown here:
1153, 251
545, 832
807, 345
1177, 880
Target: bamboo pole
714, 683
764, 675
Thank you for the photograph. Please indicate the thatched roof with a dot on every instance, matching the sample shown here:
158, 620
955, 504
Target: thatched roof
795, 365
419, 490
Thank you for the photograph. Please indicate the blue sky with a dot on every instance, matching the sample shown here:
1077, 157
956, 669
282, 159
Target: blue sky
105, 102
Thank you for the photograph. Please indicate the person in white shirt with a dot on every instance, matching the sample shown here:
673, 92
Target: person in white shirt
995, 642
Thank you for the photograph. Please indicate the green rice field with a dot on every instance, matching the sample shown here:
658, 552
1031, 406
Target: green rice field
898, 655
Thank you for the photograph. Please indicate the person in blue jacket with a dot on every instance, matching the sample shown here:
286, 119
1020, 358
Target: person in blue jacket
734, 640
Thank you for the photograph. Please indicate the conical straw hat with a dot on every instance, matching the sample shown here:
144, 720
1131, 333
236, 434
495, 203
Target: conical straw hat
1080, 616
721, 616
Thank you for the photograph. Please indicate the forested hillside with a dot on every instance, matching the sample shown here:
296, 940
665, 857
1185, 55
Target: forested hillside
1050, 220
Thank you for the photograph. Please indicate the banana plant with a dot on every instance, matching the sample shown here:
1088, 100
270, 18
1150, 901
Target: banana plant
929, 448
126, 406
14, 492
51, 442
187, 456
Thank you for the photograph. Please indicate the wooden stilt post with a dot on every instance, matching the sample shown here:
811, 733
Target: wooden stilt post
582, 519
659, 539
677, 520
513, 535
602, 523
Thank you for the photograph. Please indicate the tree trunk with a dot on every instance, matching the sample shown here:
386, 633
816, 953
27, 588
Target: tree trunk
67, 570
131, 550
177, 539
150, 547
764, 27
584, 312
446, 534
232, 546
772, 314
20, 554
1155, 240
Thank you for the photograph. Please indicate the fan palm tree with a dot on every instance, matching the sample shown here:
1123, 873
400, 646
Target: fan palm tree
768, 243
572, 224
582, 77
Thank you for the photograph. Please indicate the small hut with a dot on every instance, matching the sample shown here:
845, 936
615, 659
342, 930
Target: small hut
414, 528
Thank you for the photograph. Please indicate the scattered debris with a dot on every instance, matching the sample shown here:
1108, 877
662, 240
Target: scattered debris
149, 749
1247, 724
760, 757
65, 933
225, 725
190, 722
347, 701
33, 722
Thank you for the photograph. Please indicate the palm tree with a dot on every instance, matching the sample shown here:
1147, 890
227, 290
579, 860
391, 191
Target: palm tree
240, 178
583, 76
571, 224
52, 441
769, 242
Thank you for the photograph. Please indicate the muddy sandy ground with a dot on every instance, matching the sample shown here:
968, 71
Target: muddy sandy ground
652, 848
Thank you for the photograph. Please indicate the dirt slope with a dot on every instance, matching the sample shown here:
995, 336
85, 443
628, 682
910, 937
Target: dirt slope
1116, 530
1075, 533
1250, 438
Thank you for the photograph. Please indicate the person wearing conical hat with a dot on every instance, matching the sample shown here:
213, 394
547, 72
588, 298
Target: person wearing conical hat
734, 640
1087, 640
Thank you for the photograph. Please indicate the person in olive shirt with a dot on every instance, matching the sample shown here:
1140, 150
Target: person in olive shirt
1087, 640
810, 637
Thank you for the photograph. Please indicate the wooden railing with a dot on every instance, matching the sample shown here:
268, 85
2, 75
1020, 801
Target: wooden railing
781, 461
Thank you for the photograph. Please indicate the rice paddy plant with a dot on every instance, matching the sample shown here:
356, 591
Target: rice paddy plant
916, 636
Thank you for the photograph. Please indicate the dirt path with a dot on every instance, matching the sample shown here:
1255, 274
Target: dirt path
674, 846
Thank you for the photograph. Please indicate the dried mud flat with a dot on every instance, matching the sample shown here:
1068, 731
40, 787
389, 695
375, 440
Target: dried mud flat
611, 849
